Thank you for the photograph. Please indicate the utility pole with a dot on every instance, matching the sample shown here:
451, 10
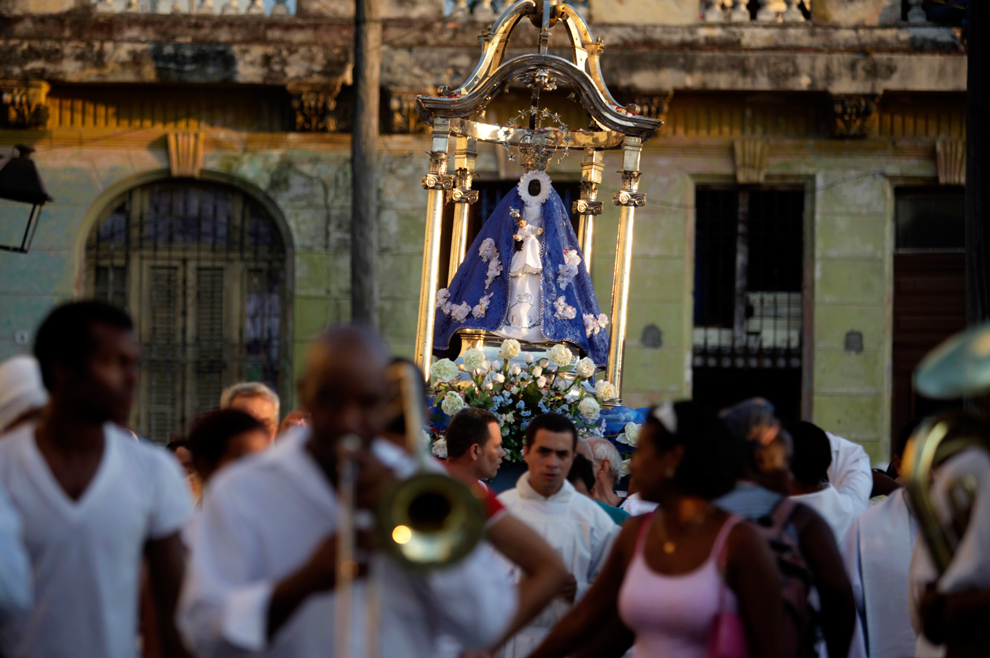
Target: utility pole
977, 160
364, 146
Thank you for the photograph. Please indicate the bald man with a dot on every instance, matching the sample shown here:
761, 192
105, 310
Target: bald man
261, 580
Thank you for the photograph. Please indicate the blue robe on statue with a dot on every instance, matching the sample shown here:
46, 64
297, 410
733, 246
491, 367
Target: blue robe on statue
478, 295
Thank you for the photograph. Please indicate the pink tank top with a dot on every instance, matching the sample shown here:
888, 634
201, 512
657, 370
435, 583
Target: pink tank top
671, 615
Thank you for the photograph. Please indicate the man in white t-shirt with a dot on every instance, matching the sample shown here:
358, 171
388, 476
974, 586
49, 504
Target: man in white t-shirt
93, 501
262, 573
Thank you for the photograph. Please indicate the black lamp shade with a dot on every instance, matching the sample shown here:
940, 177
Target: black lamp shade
19, 180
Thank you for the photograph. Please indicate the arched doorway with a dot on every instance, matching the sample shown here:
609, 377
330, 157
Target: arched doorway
201, 267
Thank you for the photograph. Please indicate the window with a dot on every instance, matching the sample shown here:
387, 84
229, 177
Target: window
202, 269
748, 301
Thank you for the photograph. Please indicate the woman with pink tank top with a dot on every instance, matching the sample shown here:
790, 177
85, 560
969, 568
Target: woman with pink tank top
670, 573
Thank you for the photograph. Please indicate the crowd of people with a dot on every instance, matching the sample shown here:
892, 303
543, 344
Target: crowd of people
740, 537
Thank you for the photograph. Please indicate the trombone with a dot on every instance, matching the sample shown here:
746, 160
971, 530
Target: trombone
427, 521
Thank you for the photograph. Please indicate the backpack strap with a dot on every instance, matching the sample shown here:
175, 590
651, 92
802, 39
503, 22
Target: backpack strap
781, 514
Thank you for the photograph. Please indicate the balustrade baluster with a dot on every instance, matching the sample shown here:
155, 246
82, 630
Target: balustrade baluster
770, 10
739, 12
793, 13
917, 13
714, 12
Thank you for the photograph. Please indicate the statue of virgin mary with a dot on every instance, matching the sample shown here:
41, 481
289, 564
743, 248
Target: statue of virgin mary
541, 293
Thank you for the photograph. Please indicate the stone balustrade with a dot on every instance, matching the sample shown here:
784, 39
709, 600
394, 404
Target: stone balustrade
197, 7
767, 11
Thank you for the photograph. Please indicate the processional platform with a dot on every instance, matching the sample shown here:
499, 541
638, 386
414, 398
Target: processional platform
537, 139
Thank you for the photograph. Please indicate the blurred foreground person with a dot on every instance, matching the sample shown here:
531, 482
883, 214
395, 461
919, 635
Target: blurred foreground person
22, 393
805, 549
574, 525
256, 399
263, 564
94, 501
672, 573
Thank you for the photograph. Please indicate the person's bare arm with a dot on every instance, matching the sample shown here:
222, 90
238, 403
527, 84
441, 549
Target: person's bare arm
544, 572
838, 607
750, 566
583, 623
166, 558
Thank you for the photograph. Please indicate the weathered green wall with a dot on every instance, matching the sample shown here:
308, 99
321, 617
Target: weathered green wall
851, 244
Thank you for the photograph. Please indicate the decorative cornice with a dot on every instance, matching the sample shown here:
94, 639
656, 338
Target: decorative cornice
950, 158
751, 156
854, 116
24, 105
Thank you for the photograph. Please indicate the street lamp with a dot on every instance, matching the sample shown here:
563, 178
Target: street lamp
19, 181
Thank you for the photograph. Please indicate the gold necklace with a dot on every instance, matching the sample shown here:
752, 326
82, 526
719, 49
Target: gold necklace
668, 545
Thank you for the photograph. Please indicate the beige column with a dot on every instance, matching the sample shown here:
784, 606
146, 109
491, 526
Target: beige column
628, 199
435, 183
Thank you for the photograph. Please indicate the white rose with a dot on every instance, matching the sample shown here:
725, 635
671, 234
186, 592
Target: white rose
514, 390
499, 378
537, 371
515, 370
589, 408
624, 470
585, 368
510, 349
497, 364
629, 435
452, 403
560, 355
424, 437
604, 390
474, 358
488, 386
439, 448
529, 358
544, 363
444, 370
541, 381
632, 433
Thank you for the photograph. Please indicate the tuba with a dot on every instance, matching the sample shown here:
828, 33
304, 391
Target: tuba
959, 367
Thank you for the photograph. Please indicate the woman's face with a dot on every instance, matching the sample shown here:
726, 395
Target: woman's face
650, 468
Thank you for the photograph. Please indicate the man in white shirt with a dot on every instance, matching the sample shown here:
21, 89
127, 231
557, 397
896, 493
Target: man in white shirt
93, 501
574, 525
263, 564
878, 557
818, 455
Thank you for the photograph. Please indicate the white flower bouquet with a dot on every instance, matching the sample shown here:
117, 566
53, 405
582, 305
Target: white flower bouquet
516, 392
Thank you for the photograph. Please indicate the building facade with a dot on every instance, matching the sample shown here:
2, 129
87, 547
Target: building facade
802, 237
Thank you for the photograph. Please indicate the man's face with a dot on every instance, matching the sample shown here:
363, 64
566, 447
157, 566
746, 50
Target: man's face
345, 393
774, 463
490, 457
549, 460
262, 409
105, 385
185, 458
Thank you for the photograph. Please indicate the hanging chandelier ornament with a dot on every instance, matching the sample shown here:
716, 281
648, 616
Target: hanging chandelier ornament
539, 147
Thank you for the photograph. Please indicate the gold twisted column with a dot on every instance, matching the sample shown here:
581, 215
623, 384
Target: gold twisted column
588, 205
435, 183
628, 199
465, 156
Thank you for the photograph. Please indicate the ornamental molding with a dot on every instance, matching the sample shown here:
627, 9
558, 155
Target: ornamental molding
950, 160
185, 154
750, 155
854, 116
24, 104
585, 207
405, 116
315, 106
